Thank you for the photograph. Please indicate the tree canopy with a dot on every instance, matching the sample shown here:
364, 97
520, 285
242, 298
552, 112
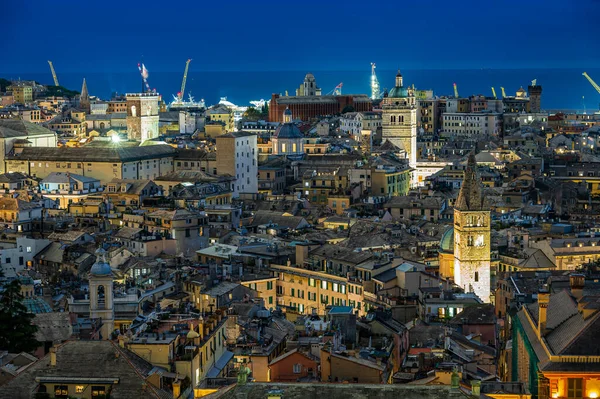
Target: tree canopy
17, 333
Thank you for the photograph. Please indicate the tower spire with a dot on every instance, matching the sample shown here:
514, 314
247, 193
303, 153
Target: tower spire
84, 97
470, 197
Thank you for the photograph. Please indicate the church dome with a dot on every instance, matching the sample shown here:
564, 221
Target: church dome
447, 241
101, 267
398, 92
287, 112
288, 131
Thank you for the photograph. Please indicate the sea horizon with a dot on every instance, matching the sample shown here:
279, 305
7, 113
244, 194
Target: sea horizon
563, 88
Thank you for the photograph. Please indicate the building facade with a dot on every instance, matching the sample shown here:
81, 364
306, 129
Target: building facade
142, 116
237, 156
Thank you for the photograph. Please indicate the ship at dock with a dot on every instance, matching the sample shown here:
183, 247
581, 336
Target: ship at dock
190, 105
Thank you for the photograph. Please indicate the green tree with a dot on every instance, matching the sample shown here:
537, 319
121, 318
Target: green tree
348, 108
4, 84
17, 333
252, 114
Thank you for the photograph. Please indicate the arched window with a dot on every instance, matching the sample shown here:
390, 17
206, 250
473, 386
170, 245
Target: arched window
393, 119
101, 125
101, 297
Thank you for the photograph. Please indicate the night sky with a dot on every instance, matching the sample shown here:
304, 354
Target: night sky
98, 36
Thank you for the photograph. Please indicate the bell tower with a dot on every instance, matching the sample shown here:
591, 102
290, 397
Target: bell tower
101, 294
472, 246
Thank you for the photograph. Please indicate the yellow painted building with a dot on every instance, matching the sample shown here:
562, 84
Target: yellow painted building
266, 289
23, 94
224, 115
156, 349
306, 290
390, 181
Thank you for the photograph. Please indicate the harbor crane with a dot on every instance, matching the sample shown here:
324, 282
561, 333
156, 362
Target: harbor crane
494, 93
592, 82
337, 90
185, 72
503, 92
53, 73
375, 88
144, 74
455, 90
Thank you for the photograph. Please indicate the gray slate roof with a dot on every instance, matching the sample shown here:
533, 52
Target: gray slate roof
98, 154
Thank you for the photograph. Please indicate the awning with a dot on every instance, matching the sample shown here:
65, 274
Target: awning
219, 364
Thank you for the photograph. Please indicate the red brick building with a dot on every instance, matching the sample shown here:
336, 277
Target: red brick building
309, 107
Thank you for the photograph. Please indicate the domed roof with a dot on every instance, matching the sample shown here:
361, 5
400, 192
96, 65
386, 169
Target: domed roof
288, 131
447, 241
192, 334
101, 267
287, 112
398, 92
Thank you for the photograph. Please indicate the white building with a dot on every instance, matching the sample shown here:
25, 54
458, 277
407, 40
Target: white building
472, 124
237, 156
15, 259
353, 123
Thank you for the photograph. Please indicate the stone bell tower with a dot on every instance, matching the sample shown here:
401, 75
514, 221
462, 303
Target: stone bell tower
101, 294
472, 247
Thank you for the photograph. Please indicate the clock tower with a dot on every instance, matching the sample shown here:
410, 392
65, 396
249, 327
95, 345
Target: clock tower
472, 247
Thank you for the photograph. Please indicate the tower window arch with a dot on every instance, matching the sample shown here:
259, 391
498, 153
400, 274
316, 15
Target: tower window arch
101, 297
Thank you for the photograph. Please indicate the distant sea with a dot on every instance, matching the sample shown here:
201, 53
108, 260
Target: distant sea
562, 88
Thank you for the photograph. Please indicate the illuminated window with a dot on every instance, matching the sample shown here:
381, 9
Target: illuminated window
79, 389
324, 284
479, 241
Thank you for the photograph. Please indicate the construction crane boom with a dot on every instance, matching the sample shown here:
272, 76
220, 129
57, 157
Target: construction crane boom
455, 90
375, 88
503, 92
337, 90
494, 93
144, 74
592, 82
185, 72
53, 73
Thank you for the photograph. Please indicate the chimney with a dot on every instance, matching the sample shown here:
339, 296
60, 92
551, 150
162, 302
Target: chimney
543, 300
475, 388
301, 254
577, 282
176, 389
53, 356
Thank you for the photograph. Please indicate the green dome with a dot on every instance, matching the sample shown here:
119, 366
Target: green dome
447, 241
398, 92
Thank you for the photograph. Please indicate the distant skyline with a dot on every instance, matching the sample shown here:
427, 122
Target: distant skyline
305, 35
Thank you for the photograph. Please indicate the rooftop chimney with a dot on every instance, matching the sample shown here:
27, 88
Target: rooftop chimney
53, 356
475, 388
543, 300
577, 282
176, 389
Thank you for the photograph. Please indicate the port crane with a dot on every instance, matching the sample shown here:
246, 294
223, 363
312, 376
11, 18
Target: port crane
592, 82
337, 90
185, 72
375, 88
494, 93
455, 90
144, 74
503, 92
53, 73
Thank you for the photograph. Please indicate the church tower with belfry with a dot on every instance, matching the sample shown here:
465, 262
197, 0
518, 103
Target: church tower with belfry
472, 246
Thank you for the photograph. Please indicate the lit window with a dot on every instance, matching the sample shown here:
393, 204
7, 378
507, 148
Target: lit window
79, 389
324, 284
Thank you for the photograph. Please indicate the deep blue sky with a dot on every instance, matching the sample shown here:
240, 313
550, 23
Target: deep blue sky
101, 36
